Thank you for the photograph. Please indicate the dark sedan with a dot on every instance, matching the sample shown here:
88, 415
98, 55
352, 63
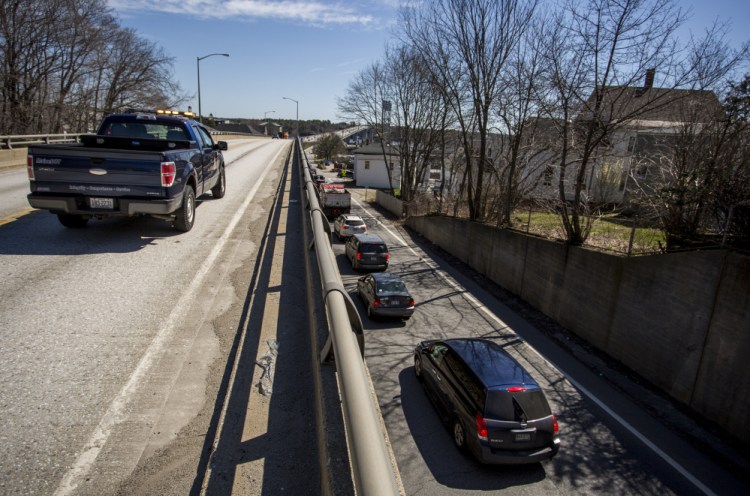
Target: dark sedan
495, 409
385, 295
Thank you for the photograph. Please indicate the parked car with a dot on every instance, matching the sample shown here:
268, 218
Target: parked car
495, 409
346, 224
367, 251
385, 295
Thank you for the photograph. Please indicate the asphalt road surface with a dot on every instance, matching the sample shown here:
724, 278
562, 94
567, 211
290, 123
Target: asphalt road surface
609, 443
120, 342
138, 360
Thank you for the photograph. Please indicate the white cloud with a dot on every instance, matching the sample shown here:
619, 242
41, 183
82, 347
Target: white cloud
304, 11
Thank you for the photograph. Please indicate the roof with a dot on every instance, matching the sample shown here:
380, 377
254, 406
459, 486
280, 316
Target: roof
490, 362
375, 149
654, 104
369, 238
385, 276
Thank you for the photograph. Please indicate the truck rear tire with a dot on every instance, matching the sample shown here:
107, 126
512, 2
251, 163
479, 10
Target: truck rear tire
185, 216
72, 221
220, 189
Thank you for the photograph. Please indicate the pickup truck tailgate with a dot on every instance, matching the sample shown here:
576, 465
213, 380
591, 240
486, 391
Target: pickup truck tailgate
114, 173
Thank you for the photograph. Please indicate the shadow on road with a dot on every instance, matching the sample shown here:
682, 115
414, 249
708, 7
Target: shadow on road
40, 233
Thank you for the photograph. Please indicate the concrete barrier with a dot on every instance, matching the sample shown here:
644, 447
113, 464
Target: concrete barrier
13, 158
390, 203
681, 321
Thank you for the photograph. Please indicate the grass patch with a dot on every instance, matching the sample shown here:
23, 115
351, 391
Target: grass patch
608, 232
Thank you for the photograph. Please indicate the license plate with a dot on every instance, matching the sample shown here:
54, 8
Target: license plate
522, 437
105, 203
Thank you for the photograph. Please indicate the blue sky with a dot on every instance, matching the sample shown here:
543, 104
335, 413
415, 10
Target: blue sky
307, 50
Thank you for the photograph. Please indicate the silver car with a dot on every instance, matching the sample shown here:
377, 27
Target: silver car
346, 225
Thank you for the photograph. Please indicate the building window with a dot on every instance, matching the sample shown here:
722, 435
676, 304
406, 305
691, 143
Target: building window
549, 173
367, 164
631, 144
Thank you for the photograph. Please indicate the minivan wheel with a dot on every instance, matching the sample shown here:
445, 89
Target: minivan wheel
459, 435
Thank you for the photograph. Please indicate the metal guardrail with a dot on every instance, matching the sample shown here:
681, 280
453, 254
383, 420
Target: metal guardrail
8, 142
37, 139
373, 473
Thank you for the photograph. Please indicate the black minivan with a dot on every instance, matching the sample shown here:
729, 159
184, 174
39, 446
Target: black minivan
367, 252
494, 408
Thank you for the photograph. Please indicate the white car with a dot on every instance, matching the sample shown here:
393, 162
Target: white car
346, 224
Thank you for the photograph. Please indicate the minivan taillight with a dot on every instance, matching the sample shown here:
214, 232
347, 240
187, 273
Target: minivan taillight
387, 256
168, 174
555, 426
30, 167
359, 256
481, 427
376, 302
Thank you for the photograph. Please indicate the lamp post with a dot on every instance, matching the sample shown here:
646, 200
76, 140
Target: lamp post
265, 119
295, 101
200, 117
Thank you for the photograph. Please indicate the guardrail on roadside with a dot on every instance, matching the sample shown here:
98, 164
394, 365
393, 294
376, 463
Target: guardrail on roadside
373, 473
8, 142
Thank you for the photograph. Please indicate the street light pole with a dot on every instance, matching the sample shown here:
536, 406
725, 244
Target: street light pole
265, 119
295, 101
200, 116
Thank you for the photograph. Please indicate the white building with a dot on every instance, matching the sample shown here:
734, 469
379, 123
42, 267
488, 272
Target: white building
370, 167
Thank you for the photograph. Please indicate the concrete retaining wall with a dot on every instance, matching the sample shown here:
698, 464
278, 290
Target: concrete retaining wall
390, 203
682, 321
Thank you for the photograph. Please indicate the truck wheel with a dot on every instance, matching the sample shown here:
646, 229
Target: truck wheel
220, 189
185, 216
72, 221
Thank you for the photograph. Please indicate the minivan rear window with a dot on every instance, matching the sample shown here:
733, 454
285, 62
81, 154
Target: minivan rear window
372, 248
528, 405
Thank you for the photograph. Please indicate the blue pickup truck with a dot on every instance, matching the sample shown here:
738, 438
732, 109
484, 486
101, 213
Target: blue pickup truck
147, 163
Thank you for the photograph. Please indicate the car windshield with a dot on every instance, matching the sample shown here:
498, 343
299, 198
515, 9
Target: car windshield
372, 248
391, 287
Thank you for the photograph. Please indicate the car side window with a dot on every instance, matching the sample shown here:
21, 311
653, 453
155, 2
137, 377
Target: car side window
208, 142
465, 378
437, 353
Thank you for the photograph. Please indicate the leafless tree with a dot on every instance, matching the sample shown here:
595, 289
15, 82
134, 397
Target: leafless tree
63, 63
417, 114
522, 135
597, 53
364, 102
466, 45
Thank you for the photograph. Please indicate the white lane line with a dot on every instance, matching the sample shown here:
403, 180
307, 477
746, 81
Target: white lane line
117, 411
471, 299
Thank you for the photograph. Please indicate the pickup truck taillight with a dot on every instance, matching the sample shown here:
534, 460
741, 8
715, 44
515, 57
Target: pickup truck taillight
168, 173
30, 167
